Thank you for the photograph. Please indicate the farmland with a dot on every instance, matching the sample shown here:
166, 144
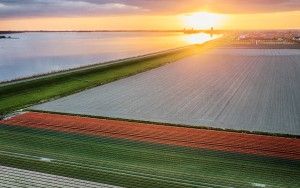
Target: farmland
160, 128
23, 93
245, 89
131, 163
13, 177
270, 146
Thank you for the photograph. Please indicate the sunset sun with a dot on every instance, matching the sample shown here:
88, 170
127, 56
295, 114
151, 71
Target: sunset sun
202, 20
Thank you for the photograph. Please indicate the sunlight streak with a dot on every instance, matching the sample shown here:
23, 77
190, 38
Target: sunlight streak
199, 38
203, 20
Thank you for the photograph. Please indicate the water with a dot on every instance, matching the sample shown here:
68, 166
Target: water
39, 53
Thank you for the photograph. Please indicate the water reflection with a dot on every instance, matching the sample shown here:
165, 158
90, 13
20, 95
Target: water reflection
39, 53
199, 38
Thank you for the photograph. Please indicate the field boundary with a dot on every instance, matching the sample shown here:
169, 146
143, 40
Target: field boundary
172, 124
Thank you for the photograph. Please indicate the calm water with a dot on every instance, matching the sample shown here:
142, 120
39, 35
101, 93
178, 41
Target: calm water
38, 53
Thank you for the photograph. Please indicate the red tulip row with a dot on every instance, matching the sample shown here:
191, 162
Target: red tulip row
180, 136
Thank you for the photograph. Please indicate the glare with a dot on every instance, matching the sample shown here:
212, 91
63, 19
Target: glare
202, 20
199, 38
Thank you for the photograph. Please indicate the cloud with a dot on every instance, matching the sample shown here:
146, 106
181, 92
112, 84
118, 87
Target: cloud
35, 8
223, 6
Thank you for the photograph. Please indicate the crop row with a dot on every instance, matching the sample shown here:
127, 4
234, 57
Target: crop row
189, 137
137, 164
93, 169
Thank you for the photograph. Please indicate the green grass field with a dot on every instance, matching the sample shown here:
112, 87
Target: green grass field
135, 164
25, 93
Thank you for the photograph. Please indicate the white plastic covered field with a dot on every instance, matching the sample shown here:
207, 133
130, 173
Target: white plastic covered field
14, 177
241, 89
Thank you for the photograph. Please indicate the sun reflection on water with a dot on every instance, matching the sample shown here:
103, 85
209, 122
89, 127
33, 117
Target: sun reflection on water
199, 38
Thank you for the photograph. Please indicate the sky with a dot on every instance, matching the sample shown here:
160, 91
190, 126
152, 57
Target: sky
148, 14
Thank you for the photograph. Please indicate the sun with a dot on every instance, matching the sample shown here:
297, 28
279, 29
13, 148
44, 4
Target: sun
202, 20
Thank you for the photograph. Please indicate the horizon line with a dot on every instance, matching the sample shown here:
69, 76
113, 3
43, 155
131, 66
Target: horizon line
147, 30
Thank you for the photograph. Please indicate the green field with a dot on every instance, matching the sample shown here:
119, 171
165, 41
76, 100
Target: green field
40, 89
136, 164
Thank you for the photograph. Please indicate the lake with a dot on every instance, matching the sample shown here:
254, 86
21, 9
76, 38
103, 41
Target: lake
35, 53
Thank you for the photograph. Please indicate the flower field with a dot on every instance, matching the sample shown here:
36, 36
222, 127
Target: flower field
130, 154
179, 136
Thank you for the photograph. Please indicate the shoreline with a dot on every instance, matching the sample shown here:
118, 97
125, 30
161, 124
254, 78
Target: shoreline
85, 67
23, 93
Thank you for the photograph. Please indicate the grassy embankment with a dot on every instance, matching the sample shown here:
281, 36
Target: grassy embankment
136, 164
22, 94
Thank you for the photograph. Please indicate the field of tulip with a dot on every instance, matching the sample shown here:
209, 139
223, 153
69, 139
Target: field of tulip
271, 146
131, 154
